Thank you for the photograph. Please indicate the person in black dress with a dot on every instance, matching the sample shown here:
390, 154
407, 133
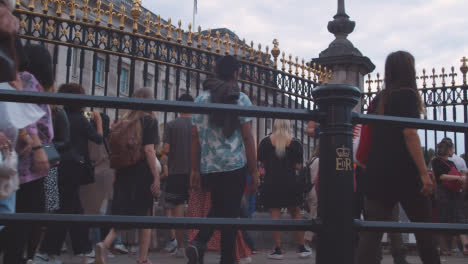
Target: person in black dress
281, 155
396, 170
136, 185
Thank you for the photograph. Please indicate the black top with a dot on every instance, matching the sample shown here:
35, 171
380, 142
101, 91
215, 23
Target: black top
81, 131
440, 167
178, 134
61, 130
280, 171
391, 172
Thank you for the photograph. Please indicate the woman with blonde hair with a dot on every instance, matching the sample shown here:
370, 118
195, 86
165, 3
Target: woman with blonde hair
135, 185
281, 155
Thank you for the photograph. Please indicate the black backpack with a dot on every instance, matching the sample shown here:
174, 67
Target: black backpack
303, 180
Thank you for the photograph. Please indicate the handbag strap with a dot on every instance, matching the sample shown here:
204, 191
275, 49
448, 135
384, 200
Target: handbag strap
446, 163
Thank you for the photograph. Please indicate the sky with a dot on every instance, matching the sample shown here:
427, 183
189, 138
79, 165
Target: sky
434, 31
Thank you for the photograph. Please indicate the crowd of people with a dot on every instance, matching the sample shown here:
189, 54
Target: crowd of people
65, 160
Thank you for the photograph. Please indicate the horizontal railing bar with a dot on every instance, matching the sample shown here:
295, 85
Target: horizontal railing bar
359, 118
154, 105
161, 222
398, 227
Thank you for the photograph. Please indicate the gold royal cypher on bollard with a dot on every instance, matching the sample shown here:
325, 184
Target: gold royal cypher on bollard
343, 160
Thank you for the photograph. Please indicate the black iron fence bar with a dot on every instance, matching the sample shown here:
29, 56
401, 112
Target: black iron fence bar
161, 222
153, 105
398, 227
409, 122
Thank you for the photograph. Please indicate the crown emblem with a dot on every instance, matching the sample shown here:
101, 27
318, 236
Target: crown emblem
343, 152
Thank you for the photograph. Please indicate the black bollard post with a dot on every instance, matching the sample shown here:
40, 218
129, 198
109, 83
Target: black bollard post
336, 174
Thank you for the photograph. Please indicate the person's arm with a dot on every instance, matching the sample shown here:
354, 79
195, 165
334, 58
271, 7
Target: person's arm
93, 134
448, 177
150, 155
250, 153
166, 148
40, 159
195, 160
413, 144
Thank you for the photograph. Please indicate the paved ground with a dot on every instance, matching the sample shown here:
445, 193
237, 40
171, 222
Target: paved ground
260, 258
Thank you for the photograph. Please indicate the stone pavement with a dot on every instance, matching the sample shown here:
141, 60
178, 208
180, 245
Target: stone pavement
260, 258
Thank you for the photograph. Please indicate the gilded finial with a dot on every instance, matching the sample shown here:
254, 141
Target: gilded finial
189, 34
283, 62
60, 4
259, 59
424, 77
303, 68
309, 70
275, 52
136, 14
45, 7
243, 49
98, 11
443, 76
208, 39
200, 36
72, 5
122, 17
314, 70
32, 5
453, 75
369, 82
290, 62
252, 51
147, 22
18, 4
179, 31
378, 81
297, 66
158, 27
169, 29
330, 75
110, 14
267, 58
85, 8
218, 42
464, 68
226, 43
434, 76
235, 46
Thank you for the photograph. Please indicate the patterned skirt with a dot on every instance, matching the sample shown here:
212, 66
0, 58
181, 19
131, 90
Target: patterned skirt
51, 191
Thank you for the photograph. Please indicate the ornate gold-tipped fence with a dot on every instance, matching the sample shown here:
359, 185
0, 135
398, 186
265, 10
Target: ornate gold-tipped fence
115, 47
444, 93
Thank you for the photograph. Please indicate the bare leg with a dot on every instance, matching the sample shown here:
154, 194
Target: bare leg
169, 213
464, 240
144, 237
179, 211
276, 214
295, 213
110, 238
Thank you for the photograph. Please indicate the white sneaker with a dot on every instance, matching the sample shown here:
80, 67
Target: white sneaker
276, 254
246, 260
180, 253
44, 258
304, 252
121, 249
171, 246
91, 254
88, 260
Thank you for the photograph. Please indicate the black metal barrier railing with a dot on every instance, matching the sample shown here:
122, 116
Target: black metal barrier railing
336, 227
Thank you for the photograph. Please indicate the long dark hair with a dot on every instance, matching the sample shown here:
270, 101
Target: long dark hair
40, 65
400, 73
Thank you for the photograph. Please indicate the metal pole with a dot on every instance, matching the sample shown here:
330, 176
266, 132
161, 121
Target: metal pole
336, 180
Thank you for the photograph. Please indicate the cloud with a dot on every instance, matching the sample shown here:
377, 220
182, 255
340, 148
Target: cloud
433, 30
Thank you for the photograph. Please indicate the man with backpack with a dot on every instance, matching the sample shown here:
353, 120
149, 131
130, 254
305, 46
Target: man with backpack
177, 142
223, 152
